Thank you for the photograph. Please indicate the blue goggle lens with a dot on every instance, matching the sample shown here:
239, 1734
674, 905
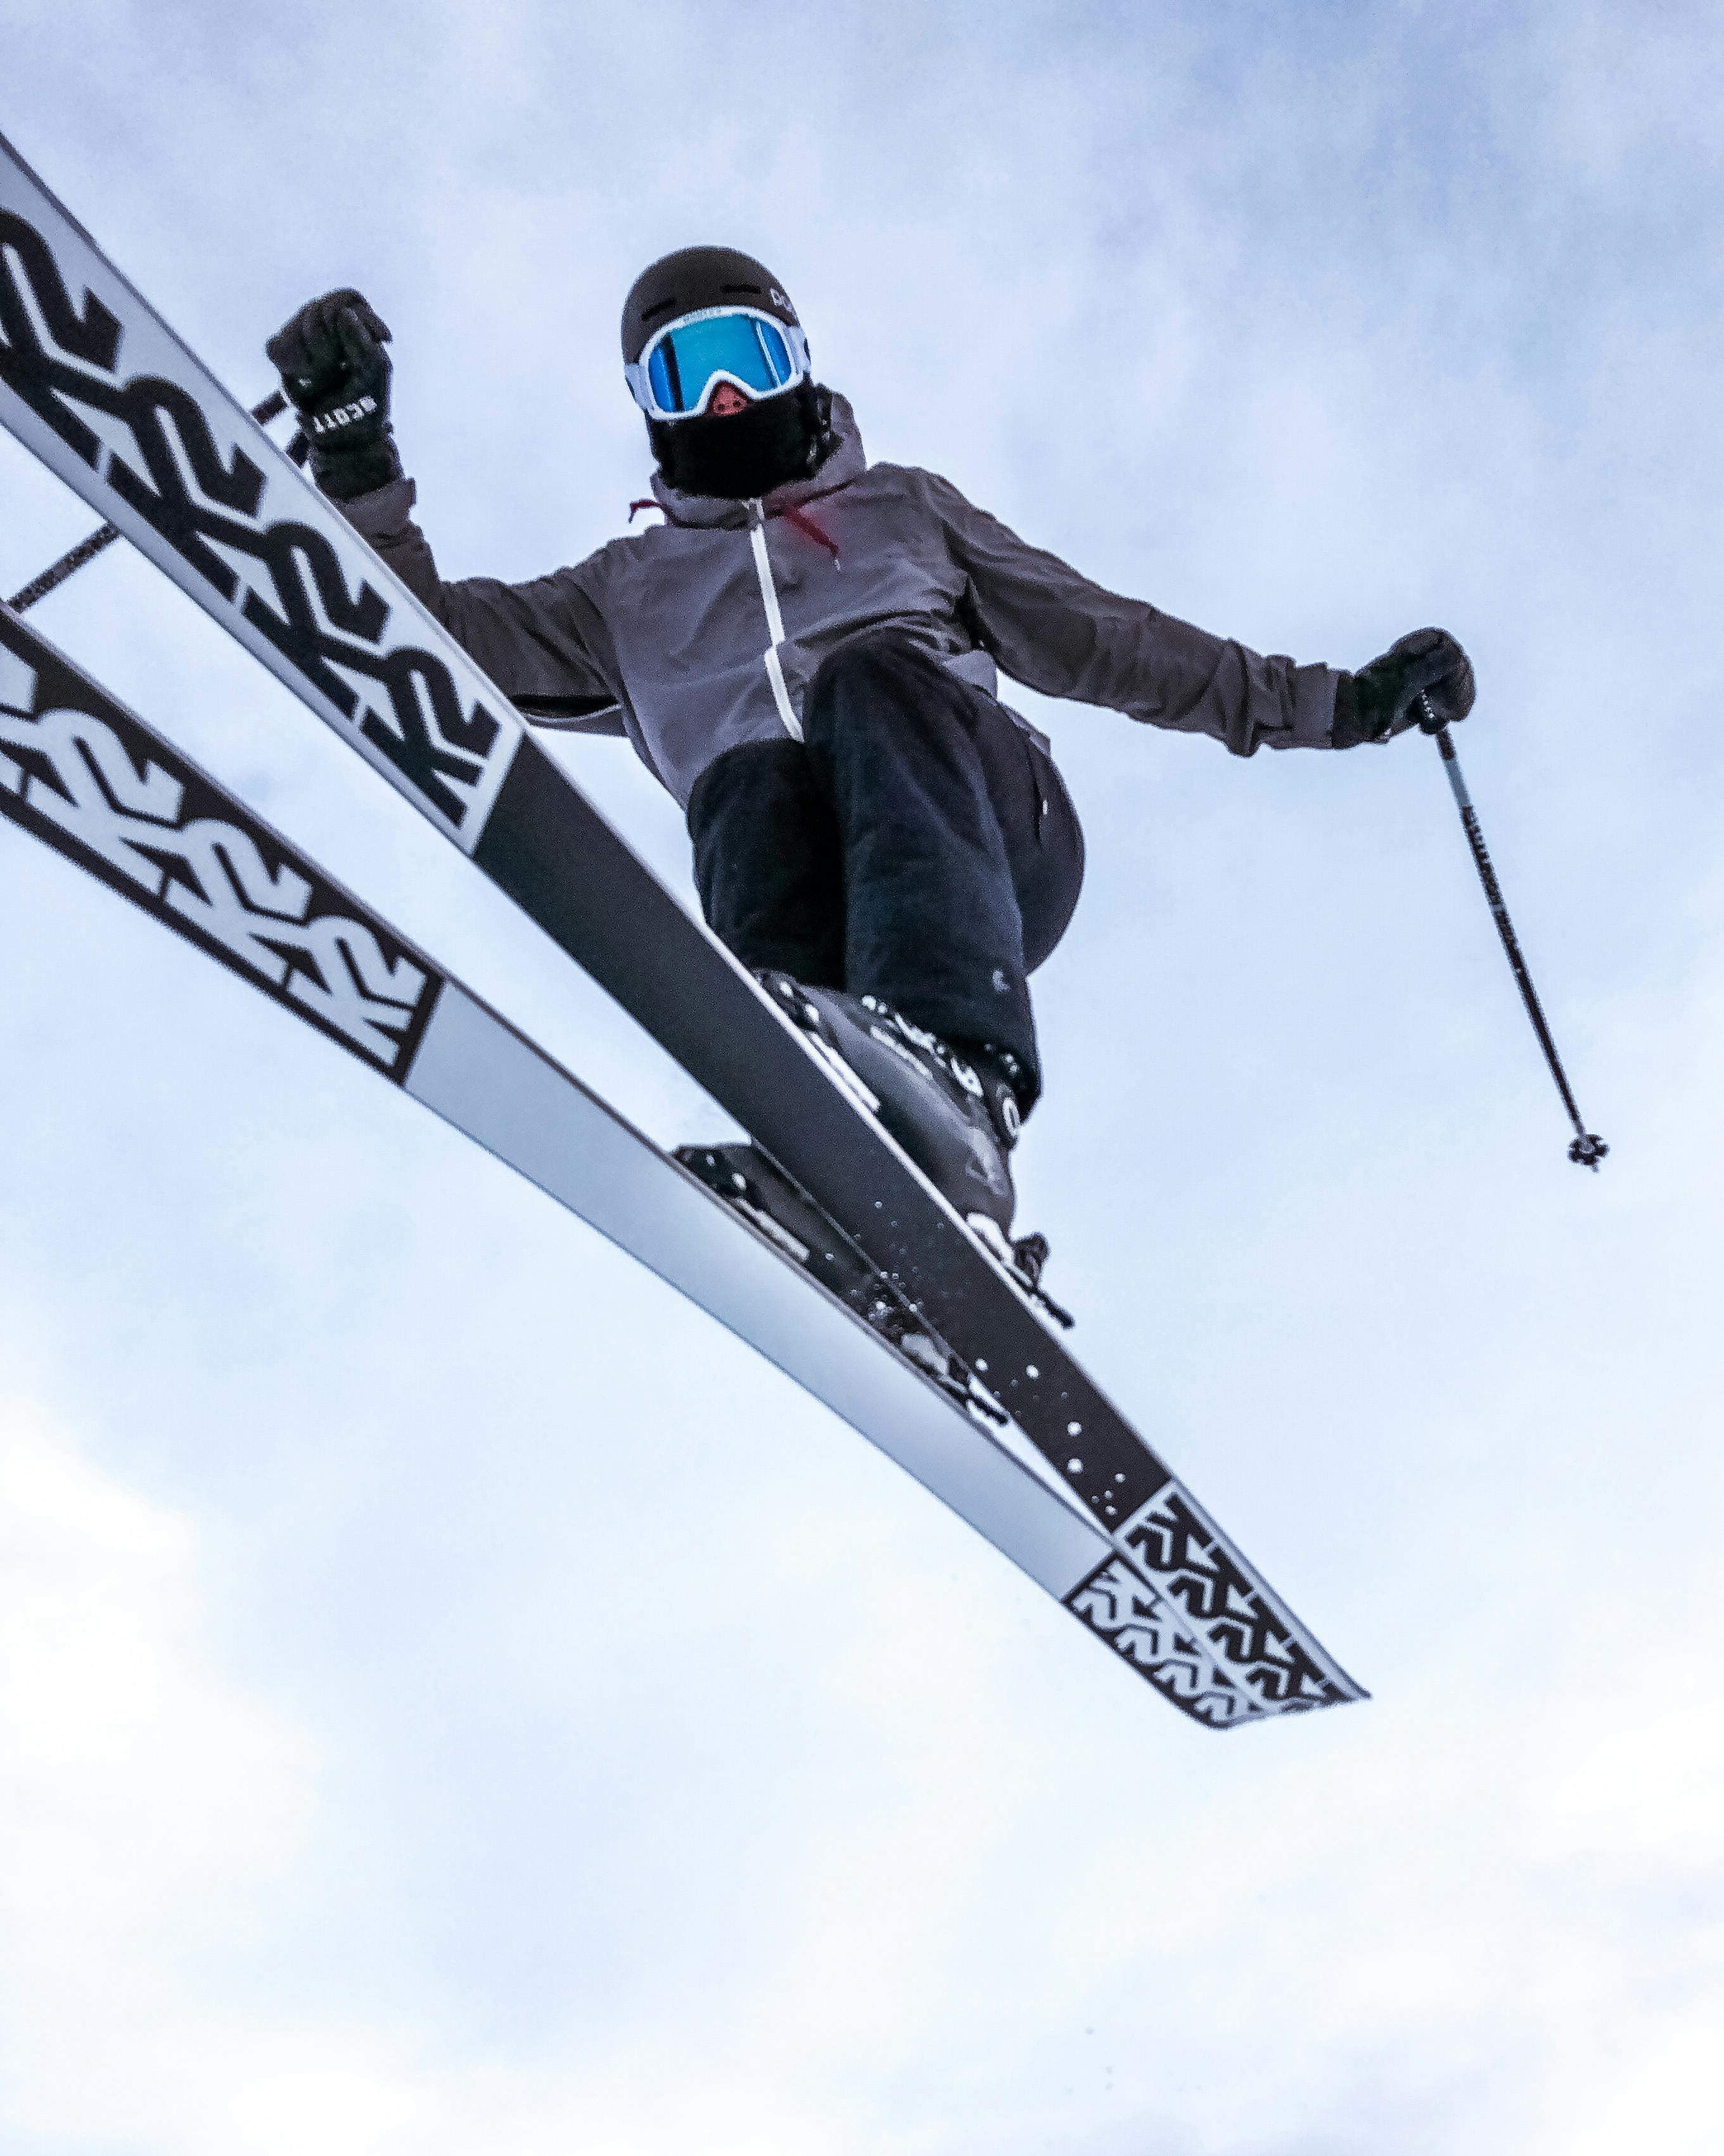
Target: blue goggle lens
686, 359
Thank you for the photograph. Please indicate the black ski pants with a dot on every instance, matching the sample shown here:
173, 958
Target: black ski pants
915, 845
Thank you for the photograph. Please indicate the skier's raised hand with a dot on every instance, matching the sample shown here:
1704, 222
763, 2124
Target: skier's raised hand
336, 373
1381, 700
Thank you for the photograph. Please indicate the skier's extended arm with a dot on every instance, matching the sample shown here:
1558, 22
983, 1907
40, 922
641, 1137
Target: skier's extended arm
1051, 629
542, 642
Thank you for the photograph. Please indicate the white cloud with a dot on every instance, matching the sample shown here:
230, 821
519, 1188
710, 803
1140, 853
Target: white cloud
150, 1810
140, 1779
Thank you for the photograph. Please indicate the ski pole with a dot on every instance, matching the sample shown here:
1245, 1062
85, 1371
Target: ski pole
1588, 1149
69, 563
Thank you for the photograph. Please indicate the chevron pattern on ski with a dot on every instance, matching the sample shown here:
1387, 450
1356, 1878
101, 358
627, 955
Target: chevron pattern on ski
1121, 1608
1195, 1570
102, 790
1224, 1627
301, 596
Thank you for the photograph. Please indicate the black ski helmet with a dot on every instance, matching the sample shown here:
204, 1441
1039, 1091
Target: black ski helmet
693, 278
745, 454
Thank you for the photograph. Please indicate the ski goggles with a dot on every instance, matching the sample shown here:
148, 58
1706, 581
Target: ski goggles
685, 362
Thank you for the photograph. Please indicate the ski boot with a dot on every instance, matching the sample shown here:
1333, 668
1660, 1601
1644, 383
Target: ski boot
956, 1119
758, 1188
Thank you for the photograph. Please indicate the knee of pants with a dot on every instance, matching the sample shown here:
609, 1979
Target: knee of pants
873, 672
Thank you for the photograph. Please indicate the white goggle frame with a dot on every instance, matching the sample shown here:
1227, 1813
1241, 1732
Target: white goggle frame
639, 383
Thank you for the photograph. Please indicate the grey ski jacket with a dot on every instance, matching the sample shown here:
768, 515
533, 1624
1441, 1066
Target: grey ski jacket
695, 636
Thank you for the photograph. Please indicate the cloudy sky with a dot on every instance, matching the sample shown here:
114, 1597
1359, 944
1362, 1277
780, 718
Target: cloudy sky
456, 1702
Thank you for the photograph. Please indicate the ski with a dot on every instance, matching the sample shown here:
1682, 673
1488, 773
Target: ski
92, 781
97, 386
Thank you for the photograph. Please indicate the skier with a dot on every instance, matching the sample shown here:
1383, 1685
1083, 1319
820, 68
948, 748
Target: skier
806, 653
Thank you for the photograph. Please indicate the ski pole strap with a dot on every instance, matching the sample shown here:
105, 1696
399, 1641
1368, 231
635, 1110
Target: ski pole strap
99, 540
1587, 1149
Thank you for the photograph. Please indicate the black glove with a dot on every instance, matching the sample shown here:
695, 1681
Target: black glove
336, 373
1381, 700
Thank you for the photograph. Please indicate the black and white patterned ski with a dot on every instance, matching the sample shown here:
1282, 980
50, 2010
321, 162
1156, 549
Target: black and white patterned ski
96, 384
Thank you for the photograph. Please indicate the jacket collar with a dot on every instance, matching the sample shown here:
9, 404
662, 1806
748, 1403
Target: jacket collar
848, 462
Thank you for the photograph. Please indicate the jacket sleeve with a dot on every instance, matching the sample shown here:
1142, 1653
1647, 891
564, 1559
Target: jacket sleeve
544, 644
1052, 630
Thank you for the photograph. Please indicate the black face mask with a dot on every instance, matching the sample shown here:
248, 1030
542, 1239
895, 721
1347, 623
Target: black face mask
746, 454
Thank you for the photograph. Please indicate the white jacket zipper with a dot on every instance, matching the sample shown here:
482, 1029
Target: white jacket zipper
775, 620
